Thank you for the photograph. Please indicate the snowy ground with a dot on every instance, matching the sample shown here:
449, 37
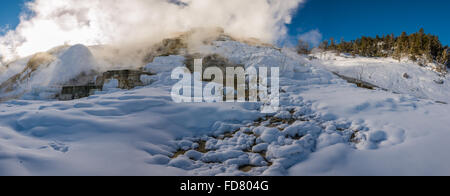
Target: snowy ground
387, 73
325, 127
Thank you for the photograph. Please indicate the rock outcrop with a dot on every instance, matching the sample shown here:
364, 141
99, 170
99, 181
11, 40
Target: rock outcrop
127, 79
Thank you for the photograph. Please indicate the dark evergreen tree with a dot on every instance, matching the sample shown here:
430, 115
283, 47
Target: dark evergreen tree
303, 47
332, 44
324, 45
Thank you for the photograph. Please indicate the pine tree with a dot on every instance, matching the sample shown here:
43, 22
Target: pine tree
354, 50
303, 47
324, 45
447, 58
332, 44
400, 46
341, 47
444, 57
420, 47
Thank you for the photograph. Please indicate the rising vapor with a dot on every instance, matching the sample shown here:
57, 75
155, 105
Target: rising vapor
50, 23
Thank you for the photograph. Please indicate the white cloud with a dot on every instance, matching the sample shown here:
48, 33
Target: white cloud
132, 22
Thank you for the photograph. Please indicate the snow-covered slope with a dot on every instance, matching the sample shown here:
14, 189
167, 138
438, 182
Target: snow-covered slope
399, 77
325, 127
42, 75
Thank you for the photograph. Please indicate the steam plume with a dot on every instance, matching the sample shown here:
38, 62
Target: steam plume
50, 23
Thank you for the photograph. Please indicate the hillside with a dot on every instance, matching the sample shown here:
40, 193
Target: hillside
324, 126
421, 48
405, 77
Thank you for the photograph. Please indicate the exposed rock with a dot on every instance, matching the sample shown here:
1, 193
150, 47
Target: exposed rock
11, 84
212, 60
439, 81
406, 76
358, 82
38, 60
128, 79
82, 86
78, 92
83, 79
167, 47
179, 44
73, 72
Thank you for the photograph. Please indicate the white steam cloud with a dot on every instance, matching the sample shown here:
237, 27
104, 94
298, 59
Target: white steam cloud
314, 37
51, 23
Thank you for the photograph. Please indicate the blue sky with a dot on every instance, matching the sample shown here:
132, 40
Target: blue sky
9, 12
350, 19
346, 19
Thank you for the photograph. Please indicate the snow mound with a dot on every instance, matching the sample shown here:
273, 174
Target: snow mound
43, 74
75, 61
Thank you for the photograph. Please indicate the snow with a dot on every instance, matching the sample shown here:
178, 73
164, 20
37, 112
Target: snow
45, 82
325, 126
260, 147
270, 135
76, 60
194, 155
388, 73
165, 64
129, 125
110, 85
399, 134
12, 69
